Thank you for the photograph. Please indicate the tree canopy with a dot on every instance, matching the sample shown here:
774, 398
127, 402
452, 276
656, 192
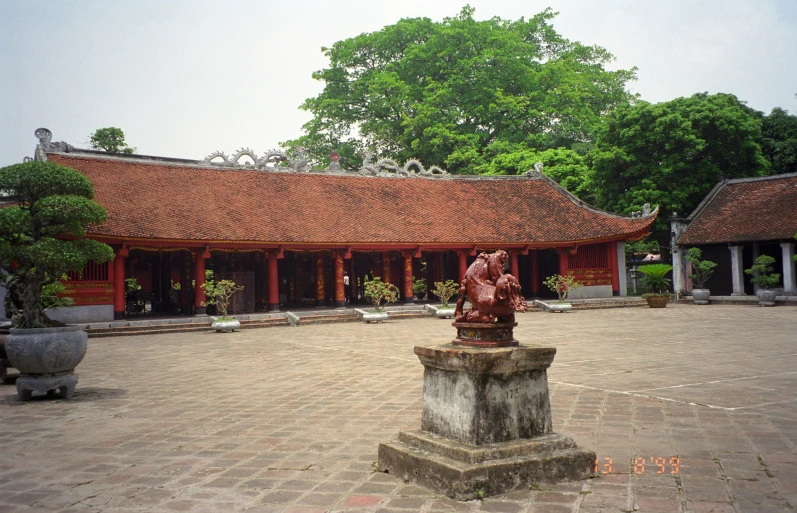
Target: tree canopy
41, 236
457, 92
110, 139
779, 140
671, 154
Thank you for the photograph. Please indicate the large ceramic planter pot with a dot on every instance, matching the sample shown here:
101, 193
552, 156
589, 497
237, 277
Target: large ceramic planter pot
226, 326
46, 359
766, 297
657, 300
700, 296
369, 317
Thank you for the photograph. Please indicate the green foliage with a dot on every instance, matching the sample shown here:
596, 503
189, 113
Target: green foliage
641, 247
779, 140
219, 293
377, 291
53, 295
42, 234
562, 284
701, 269
418, 285
444, 290
671, 154
131, 285
451, 93
110, 139
761, 272
655, 277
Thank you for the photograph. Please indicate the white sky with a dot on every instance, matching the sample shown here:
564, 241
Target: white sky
184, 78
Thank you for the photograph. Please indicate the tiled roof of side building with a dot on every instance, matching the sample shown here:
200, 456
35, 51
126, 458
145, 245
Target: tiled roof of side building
746, 210
146, 199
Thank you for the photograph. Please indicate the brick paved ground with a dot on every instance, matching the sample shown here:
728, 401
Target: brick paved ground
689, 409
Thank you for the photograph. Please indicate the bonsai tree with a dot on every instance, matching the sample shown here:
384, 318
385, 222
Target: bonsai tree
377, 291
419, 286
219, 293
562, 285
701, 269
42, 235
762, 274
444, 290
655, 278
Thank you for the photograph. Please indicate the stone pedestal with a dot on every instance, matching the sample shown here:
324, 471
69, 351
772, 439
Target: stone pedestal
28, 384
486, 424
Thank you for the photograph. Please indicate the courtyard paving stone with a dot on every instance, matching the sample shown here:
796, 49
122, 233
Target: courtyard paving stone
689, 409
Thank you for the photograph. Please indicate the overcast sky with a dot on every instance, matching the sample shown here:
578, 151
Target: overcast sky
185, 78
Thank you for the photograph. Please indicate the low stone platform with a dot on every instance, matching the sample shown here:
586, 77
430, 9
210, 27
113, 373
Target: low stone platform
464, 471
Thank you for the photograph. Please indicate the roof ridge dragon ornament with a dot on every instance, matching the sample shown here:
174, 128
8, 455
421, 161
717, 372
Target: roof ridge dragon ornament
389, 167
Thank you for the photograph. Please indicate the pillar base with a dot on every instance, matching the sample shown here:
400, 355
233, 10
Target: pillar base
464, 471
200, 310
340, 304
118, 316
409, 300
320, 302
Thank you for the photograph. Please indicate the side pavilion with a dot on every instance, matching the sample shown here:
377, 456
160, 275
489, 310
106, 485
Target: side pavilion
289, 233
739, 220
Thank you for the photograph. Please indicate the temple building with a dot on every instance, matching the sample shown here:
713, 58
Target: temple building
289, 234
737, 221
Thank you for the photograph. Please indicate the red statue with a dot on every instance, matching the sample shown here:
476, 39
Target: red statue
493, 295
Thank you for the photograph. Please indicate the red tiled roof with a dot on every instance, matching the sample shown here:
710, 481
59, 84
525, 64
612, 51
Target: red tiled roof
171, 202
746, 210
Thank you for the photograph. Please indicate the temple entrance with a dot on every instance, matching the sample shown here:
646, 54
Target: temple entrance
158, 282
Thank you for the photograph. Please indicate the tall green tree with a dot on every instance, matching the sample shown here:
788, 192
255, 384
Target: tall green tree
779, 140
110, 139
447, 92
671, 154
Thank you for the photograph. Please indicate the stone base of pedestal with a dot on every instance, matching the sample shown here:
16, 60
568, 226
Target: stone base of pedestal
464, 471
28, 384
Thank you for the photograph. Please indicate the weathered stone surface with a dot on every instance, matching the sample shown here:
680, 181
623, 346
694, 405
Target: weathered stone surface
481, 334
484, 396
464, 471
65, 384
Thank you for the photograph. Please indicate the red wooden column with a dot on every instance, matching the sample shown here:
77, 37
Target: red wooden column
409, 295
462, 256
199, 279
320, 289
273, 282
119, 283
612, 250
340, 290
513, 266
562, 260
535, 272
386, 266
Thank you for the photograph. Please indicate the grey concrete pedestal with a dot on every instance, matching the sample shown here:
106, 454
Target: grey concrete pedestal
28, 384
486, 425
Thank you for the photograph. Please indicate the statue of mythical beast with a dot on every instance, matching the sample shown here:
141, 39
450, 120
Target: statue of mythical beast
493, 295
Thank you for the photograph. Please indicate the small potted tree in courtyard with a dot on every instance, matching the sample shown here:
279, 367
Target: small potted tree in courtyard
445, 290
562, 285
701, 272
377, 292
762, 275
220, 293
419, 288
656, 281
42, 237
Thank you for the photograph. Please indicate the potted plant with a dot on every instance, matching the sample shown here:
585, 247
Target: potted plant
561, 285
701, 272
41, 239
762, 275
132, 289
419, 288
220, 293
378, 291
444, 290
655, 279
